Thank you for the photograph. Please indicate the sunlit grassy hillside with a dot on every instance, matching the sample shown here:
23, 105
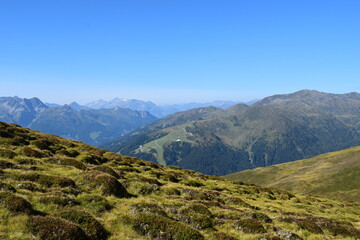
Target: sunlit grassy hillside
334, 175
52, 188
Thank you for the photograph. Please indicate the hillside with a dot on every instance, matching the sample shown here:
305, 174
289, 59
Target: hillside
335, 175
277, 129
52, 188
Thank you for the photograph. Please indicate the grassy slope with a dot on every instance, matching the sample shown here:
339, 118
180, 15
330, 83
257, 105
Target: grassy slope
168, 191
334, 175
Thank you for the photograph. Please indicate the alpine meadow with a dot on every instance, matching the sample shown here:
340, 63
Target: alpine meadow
180, 120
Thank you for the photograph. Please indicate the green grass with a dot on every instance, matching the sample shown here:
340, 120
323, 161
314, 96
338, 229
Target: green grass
109, 196
335, 175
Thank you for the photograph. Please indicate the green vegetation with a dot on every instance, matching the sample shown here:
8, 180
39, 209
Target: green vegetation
278, 129
334, 175
96, 194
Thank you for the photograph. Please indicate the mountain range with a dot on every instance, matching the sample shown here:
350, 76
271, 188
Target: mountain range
53, 188
277, 129
157, 110
74, 122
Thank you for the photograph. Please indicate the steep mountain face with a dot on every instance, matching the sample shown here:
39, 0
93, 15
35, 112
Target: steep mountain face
54, 188
20, 110
73, 121
335, 175
278, 129
91, 126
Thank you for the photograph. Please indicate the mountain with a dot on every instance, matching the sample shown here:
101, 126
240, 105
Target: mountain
156, 110
277, 129
20, 110
72, 121
133, 104
51, 105
91, 126
335, 175
173, 108
53, 188
78, 107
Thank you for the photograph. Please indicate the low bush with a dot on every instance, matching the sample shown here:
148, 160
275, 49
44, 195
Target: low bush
222, 236
142, 188
92, 228
193, 183
29, 186
53, 228
42, 144
67, 162
94, 202
30, 152
6, 187
7, 153
58, 200
15, 203
110, 186
197, 215
158, 227
5, 164
106, 169
147, 207
249, 225
46, 180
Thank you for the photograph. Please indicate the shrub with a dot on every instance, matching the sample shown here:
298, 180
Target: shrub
249, 225
110, 186
172, 191
129, 169
7, 153
169, 177
58, 200
309, 225
18, 141
336, 227
94, 202
47, 180
143, 188
197, 215
29, 186
150, 180
26, 161
5, 134
42, 144
193, 183
68, 162
237, 201
159, 227
53, 228
5, 164
92, 228
222, 236
148, 208
69, 153
258, 216
15, 203
106, 169
6, 187
30, 152
89, 159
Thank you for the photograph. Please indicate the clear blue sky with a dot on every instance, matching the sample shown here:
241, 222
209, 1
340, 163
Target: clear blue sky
177, 50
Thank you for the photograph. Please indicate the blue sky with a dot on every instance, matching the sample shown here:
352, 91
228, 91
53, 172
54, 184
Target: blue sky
171, 51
